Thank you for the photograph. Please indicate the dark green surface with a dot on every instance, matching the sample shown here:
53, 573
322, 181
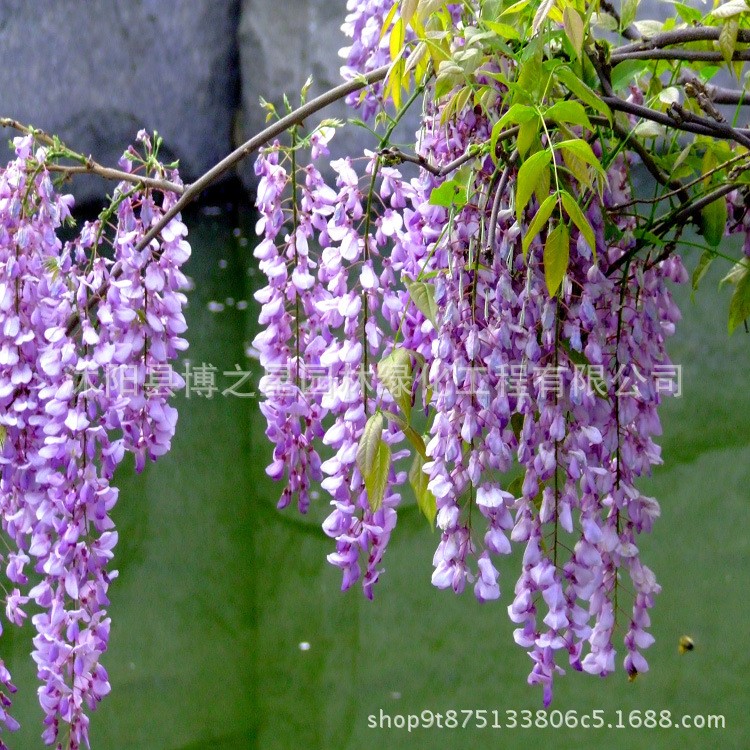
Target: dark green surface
217, 589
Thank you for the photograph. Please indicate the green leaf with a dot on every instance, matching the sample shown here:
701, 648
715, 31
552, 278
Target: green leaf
623, 73
728, 39
396, 41
578, 168
368, 443
700, 270
376, 481
541, 15
407, 9
574, 29
416, 440
3, 435
504, 30
688, 14
556, 256
528, 132
739, 270
517, 114
450, 193
388, 20
570, 112
583, 151
515, 8
528, 177
574, 211
730, 9
539, 221
541, 191
422, 295
628, 12
587, 95
713, 221
418, 481
395, 373
410, 433
739, 306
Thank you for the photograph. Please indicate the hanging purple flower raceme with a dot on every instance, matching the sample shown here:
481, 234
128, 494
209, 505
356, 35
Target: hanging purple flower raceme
541, 410
67, 417
320, 312
368, 49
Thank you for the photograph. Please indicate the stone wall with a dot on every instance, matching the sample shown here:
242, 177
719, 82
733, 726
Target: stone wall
96, 71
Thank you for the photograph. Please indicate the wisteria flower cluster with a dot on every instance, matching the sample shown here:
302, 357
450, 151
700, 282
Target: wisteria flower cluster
84, 324
503, 273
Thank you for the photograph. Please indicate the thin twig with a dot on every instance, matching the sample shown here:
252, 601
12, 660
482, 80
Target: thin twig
166, 186
690, 55
683, 187
694, 124
717, 94
721, 128
393, 154
497, 198
647, 158
679, 36
192, 191
88, 165
675, 219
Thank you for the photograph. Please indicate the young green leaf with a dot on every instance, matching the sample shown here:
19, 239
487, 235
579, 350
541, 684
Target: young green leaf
528, 132
395, 373
574, 211
388, 20
628, 13
515, 8
579, 148
422, 295
517, 114
450, 193
503, 30
587, 95
713, 221
556, 256
728, 39
368, 443
540, 220
578, 168
407, 9
541, 15
396, 42
376, 481
730, 9
574, 28
541, 191
739, 270
418, 481
700, 270
528, 178
739, 306
623, 73
570, 112
409, 432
